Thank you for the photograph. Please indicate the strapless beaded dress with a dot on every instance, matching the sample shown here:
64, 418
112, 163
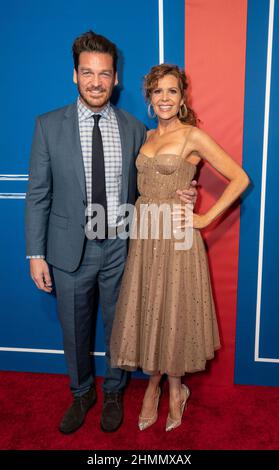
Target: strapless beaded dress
165, 319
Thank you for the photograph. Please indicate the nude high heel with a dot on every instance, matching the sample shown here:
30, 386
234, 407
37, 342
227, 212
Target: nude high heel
174, 423
145, 423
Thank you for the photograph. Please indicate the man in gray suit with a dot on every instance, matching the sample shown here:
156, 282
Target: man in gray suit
83, 153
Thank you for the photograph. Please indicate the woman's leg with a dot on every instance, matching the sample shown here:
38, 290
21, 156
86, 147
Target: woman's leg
175, 398
149, 410
179, 395
150, 396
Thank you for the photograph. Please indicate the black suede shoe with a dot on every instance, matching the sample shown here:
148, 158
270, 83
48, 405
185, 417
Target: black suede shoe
75, 415
112, 412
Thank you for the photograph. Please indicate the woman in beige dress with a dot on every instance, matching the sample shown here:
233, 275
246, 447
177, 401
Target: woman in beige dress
165, 320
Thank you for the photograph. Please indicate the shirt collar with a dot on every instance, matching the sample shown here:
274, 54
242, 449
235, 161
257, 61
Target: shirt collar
85, 113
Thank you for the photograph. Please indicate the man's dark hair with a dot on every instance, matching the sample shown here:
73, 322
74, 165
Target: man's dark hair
92, 42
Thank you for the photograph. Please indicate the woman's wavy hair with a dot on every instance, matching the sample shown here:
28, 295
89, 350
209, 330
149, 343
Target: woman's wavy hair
159, 71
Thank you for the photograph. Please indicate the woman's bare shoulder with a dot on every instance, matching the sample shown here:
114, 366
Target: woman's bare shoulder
197, 133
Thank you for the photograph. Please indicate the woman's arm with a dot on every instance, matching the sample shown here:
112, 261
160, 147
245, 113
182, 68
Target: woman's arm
210, 151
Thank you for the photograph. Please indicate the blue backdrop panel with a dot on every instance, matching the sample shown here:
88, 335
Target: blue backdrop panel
262, 368
37, 77
269, 326
174, 32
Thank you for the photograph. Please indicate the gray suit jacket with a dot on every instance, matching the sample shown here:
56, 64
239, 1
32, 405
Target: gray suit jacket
56, 197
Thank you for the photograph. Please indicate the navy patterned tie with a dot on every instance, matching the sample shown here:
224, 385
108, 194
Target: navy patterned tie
98, 170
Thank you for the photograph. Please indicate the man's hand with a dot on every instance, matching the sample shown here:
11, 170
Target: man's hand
189, 195
40, 274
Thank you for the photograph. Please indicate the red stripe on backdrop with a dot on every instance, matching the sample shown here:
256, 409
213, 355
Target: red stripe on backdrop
215, 63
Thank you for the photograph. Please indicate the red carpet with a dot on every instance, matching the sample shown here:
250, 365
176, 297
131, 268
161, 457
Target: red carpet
218, 417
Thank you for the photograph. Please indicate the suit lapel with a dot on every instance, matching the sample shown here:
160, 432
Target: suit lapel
72, 143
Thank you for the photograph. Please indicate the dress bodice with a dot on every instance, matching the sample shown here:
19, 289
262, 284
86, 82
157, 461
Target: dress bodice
159, 177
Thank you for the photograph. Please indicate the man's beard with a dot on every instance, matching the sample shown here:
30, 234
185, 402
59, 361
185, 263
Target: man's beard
101, 102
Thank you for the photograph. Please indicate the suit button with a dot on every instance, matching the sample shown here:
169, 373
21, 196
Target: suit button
82, 226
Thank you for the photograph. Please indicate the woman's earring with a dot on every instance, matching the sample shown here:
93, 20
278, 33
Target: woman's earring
152, 116
183, 111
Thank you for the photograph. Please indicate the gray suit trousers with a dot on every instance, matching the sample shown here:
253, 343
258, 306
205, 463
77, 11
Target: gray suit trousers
101, 269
